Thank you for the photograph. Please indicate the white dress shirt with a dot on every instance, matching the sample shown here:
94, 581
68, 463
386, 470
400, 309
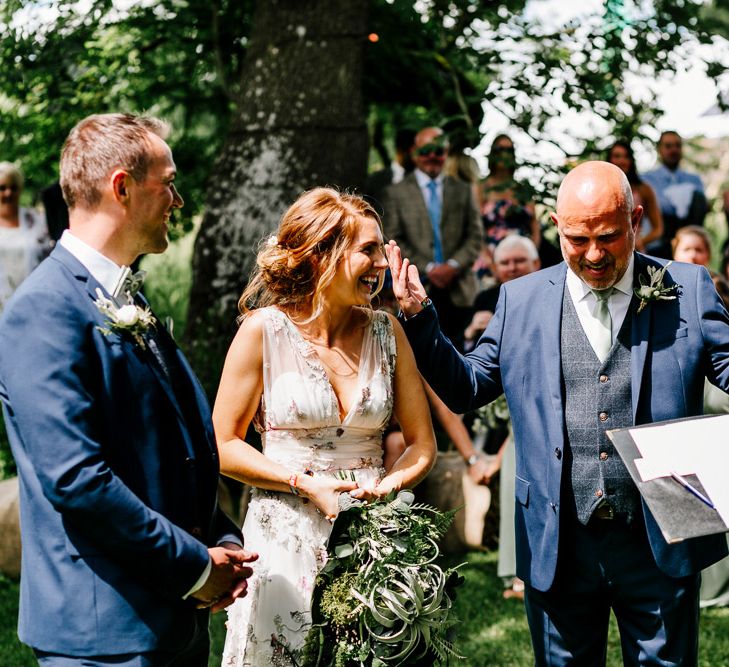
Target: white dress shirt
107, 274
586, 302
424, 180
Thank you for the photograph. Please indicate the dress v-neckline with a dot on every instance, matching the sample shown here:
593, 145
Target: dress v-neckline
314, 355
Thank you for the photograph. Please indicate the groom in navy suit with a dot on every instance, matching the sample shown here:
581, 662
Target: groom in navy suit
124, 547
575, 357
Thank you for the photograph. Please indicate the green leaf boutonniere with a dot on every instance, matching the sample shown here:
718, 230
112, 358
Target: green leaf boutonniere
654, 289
129, 318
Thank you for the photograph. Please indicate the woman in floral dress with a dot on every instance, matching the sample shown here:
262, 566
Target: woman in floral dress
318, 372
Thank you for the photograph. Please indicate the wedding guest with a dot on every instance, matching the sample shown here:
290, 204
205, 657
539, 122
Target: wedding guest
680, 193
506, 204
651, 229
124, 547
434, 217
318, 373
23, 233
586, 544
692, 244
514, 257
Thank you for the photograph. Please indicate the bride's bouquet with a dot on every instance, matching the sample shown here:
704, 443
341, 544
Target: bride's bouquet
382, 599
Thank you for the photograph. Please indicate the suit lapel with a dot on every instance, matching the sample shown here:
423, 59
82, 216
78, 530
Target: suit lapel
88, 283
640, 335
551, 316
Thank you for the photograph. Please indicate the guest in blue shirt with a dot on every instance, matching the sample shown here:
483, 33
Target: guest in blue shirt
680, 193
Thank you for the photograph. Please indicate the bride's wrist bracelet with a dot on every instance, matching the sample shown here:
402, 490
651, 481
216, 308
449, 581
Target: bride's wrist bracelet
294, 482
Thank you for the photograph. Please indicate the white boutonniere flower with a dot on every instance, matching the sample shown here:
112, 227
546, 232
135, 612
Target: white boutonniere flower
654, 289
129, 318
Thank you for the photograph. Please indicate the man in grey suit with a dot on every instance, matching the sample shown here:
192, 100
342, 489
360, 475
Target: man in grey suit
434, 220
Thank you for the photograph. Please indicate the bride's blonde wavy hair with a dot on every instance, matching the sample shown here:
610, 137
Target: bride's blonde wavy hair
296, 265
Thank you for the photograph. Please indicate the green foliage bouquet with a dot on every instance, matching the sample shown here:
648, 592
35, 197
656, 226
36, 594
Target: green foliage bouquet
381, 599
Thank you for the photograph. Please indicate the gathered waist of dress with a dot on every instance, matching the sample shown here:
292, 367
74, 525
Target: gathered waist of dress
323, 449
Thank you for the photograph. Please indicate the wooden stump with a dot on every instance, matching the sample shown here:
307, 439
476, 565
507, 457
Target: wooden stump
9, 528
448, 487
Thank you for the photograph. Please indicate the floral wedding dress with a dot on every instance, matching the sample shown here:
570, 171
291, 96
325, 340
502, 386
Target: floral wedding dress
300, 425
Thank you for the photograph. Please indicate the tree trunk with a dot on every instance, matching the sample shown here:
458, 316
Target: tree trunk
300, 123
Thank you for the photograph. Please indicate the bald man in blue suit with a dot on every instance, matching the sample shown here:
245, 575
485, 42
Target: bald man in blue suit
576, 355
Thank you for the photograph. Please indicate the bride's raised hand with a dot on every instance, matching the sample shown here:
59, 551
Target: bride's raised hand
406, 285
324, 493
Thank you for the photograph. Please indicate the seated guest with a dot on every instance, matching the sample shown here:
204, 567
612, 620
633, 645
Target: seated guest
23, 233
514, 257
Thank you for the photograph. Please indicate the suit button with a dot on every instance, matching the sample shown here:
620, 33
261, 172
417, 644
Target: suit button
603, 416
598, 493
190, 462
558, 453
604, 378
603, 456
196, 531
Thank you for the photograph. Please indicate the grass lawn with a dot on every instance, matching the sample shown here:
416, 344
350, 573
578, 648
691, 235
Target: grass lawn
492, 631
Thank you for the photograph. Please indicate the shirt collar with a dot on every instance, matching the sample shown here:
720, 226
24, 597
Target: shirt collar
106, 272
423, 178
580, 288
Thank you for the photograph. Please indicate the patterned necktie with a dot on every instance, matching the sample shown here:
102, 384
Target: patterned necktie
129, 283
434, 211
603, 332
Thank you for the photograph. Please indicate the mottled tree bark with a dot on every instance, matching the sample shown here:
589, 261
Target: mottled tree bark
300, 123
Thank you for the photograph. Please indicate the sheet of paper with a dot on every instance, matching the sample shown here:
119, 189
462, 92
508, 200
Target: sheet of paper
699, 447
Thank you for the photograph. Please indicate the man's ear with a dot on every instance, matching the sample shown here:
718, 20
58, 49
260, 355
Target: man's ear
554, 219
635, 218
120, 185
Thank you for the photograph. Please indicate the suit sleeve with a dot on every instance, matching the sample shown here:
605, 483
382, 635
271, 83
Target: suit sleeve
53, 391
463, 382
469, 250
714, 321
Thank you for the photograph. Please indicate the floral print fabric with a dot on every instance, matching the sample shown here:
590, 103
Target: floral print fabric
301, 429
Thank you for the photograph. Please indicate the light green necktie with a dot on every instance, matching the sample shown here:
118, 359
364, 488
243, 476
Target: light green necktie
603, 332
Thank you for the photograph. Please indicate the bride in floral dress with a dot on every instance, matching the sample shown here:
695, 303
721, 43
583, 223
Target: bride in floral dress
318, 372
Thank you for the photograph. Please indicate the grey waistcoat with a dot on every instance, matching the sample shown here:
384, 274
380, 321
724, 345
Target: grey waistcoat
597, 398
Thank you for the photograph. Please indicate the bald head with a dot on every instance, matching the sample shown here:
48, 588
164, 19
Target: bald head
593, 187
597, 222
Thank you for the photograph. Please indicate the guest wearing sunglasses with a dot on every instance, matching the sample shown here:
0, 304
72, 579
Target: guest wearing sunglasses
23, 233
434, 219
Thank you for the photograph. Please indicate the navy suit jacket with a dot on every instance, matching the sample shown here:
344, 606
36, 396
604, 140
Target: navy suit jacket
675, 345
118, 474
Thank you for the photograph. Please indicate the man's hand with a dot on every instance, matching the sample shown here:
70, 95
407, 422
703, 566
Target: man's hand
482, 471
228, 577
443, 275
406, 285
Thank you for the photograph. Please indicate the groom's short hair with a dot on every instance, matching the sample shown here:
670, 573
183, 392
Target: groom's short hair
97, 146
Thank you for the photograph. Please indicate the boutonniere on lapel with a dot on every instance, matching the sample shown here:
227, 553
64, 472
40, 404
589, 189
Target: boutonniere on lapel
129, 318
654, 289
